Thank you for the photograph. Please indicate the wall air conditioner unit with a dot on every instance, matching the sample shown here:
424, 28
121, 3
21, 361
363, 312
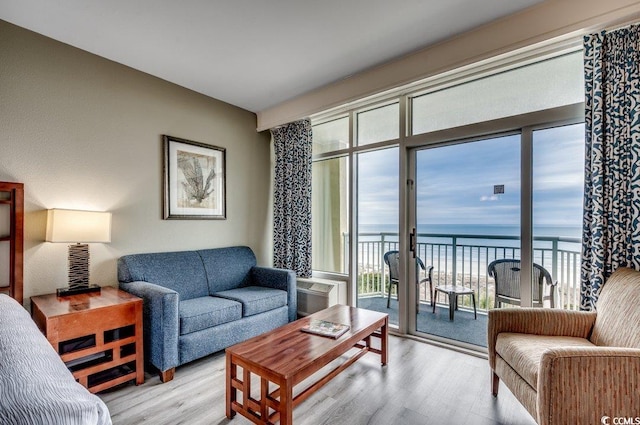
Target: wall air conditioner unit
315, 294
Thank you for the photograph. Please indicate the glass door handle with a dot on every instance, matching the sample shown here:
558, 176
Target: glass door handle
412, 242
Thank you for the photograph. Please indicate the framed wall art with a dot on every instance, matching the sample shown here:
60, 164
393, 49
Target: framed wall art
194, 180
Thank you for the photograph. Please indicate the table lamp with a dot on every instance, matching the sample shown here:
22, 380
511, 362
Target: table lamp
78, 228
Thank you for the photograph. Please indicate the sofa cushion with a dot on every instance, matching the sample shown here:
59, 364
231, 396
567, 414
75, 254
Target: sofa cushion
227, 268
201, 313
256, 299
523, 352
181, 271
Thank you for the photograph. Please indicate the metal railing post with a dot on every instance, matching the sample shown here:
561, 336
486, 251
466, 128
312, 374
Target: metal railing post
454, 256
382, 276
556, 271
554, 258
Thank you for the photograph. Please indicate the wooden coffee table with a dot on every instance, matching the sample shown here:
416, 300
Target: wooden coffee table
286, 356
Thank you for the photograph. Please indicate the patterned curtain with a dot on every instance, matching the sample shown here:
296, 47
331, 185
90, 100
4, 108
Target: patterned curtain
611, 227
292, 197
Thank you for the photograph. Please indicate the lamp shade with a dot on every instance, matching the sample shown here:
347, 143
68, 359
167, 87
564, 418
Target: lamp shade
78, 226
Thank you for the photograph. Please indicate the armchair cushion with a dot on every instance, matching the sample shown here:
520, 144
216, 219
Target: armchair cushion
255, 299
537, 321
524, 352
204, 312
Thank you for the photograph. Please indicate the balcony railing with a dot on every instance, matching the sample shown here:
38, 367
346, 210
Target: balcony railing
463, 259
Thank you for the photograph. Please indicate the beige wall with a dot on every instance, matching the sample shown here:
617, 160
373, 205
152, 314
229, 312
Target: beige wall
82, 132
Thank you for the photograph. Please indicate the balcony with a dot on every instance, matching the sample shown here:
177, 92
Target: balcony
462, 259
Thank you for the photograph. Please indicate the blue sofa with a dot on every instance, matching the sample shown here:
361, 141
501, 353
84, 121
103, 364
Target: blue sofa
200, 302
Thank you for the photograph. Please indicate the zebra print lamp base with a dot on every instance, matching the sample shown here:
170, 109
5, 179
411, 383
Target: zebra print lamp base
78, 272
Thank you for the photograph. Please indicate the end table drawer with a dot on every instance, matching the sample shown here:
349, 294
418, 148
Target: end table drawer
92, 321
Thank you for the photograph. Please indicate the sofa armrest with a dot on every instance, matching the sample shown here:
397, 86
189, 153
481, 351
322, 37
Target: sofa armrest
278, 279
160, 320
537, 321
581, 385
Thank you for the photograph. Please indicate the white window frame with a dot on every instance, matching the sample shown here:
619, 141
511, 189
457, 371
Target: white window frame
407, 142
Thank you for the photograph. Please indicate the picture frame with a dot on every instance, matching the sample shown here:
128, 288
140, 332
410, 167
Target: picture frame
194, 180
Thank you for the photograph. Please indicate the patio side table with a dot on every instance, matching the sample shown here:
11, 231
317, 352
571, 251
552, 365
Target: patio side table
454, 291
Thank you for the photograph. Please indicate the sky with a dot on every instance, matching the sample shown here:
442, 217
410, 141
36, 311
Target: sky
455, 183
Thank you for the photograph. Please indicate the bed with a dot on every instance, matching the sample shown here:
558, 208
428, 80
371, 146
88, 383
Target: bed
35, 385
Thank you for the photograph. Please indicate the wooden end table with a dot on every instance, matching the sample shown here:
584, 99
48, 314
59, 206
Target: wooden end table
98, 335
286, 356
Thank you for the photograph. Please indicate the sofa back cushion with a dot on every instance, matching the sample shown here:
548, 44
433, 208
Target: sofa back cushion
181, 271
227, 268
618, 307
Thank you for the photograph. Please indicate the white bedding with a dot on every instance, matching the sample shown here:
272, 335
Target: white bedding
35, 385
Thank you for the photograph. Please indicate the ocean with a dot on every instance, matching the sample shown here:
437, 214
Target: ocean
478, 230
474, 242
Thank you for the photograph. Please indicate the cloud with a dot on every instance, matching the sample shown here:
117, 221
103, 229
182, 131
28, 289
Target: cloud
489, 198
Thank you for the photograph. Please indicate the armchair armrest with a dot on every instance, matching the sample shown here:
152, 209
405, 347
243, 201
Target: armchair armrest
278, 279
581, 385
537, 321
160, 321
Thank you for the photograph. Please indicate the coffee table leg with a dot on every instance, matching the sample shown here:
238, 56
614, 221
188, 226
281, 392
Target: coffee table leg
286, 403
384, 346
264, 393
231, 392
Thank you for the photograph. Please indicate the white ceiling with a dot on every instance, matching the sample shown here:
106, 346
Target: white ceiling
253, 53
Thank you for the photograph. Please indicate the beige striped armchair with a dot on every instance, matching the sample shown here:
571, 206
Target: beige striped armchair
571, 367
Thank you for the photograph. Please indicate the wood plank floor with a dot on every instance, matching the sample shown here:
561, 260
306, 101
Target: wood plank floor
422, 384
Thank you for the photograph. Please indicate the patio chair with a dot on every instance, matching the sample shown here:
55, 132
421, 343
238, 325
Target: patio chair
506, 273
392, 260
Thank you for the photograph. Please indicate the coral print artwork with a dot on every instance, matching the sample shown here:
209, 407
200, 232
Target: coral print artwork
194, 180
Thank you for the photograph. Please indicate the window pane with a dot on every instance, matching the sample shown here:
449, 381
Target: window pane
542, 85
378, 199
329, 215
558, 187
331, 136
379, 124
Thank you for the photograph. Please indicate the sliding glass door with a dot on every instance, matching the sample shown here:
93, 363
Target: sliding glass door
467, 216
492, 213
